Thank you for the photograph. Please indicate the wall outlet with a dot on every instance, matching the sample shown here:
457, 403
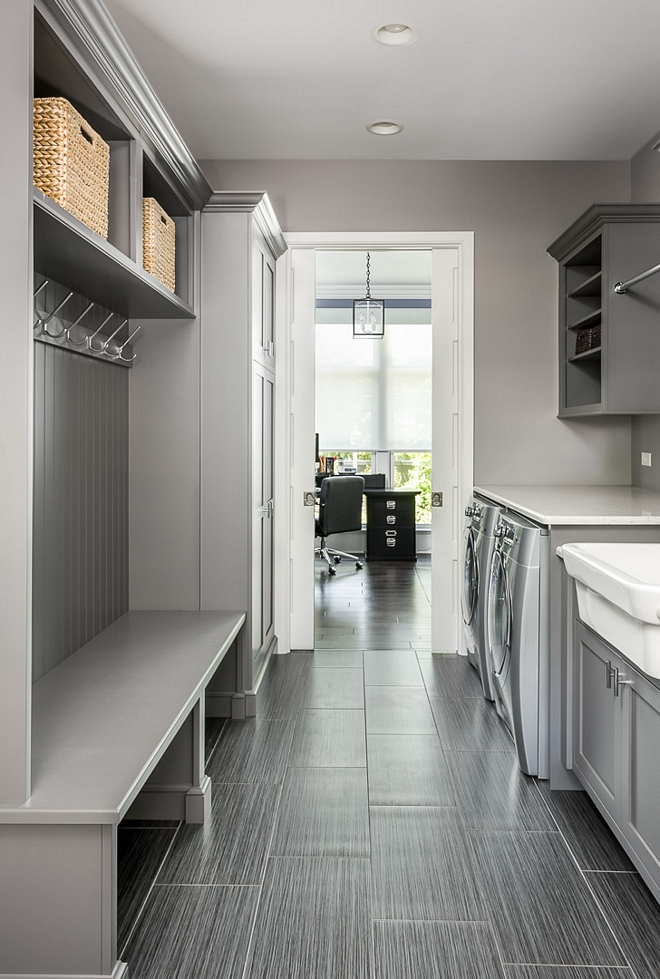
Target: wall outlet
646, 458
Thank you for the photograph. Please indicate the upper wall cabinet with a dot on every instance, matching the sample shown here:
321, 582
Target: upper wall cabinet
147, 159
609, 342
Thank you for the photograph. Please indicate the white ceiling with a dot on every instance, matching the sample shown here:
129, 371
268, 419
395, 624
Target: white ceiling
486, 79
398, 274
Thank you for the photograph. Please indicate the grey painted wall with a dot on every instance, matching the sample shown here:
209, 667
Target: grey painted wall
645, 188
80, 545
516, 209
164, 466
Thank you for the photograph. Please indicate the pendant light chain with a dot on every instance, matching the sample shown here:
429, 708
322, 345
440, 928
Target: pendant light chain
368, 295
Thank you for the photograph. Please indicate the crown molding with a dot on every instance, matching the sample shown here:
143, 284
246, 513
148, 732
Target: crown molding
91, 27
256, 203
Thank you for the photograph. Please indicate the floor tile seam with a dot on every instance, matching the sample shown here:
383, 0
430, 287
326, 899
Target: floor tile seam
413, 806
410, 686
372, 902
434, 921
208, 886
143, 905
248, 950
513, 829
594, 870
569, 965
587, 884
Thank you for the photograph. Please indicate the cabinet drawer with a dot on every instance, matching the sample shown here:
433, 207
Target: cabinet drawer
394, 543
382, 511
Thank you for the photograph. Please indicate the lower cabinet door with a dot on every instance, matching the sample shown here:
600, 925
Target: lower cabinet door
641, 770
597, 719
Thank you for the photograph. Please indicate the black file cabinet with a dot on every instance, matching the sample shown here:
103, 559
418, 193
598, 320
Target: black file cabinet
391, 525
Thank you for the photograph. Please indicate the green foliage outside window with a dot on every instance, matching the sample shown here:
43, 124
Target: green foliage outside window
412, 470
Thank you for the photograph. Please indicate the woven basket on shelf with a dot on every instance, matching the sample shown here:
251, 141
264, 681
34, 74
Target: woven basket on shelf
158, 242
71, 162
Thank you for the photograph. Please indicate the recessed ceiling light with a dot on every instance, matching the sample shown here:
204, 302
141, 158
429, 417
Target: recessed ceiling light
395, 34
384, 128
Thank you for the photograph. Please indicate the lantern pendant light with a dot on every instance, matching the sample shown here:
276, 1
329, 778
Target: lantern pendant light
368, 313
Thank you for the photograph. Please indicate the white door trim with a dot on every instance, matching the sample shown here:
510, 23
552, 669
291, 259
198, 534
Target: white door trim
287, 506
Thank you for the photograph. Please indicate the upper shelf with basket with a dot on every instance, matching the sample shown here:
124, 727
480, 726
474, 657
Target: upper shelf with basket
93, 170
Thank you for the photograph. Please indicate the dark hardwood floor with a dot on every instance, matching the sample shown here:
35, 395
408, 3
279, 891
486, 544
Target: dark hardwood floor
372, 823
385, 605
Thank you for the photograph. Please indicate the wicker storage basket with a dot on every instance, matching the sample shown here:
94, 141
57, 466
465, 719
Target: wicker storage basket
71, 162
158, 242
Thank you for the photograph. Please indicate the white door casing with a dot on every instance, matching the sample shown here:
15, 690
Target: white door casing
453, 325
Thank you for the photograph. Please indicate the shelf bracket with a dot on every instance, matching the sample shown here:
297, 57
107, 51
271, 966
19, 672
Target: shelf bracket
622, 287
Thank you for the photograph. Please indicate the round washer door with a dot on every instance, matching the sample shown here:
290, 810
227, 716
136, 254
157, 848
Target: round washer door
499, 612
470, 580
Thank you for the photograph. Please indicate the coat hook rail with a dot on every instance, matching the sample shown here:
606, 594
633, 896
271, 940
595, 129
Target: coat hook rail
76, 336
622, 287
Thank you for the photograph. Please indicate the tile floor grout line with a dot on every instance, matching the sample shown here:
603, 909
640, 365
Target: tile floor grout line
582, 873
249, 946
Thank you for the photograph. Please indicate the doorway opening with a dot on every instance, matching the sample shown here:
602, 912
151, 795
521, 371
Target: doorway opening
451, 256
373, 418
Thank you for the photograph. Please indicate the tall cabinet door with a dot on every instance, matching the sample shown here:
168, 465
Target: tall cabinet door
241, 242
262, 524
263, 387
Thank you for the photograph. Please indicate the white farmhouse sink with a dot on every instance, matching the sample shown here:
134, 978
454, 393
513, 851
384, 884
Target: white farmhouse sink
618, 593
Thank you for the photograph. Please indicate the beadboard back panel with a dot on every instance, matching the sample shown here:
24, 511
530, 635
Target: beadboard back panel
80, 579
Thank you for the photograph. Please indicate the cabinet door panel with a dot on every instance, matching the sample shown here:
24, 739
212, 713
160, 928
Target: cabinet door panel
641, 737
262, 531
597, 752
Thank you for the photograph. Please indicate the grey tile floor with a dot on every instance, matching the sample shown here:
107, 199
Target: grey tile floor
389, 835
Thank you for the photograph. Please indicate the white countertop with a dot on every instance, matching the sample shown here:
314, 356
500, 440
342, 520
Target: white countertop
579, 505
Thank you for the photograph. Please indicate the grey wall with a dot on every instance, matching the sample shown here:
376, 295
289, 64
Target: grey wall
645, 188
164, 466
80, 545
516, 209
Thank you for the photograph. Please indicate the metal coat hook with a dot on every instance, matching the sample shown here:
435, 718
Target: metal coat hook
128, 360
99, 350
83, 342
55, 336
104, 347
39, 324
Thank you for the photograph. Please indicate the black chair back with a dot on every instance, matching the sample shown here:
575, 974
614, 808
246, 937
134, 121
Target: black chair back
340, 505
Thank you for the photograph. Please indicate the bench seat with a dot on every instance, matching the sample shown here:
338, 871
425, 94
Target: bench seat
118, 727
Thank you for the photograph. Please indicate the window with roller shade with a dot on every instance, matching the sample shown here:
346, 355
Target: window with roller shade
375, 395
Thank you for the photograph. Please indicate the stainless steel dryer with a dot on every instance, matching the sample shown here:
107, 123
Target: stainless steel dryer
481, 519
517, 637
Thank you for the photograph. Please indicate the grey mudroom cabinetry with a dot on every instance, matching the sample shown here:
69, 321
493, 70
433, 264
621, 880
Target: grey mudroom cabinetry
106, 651
609, 344
241, 242
597, 719
616, 732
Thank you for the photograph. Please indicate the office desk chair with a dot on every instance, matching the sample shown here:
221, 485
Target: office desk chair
340, 510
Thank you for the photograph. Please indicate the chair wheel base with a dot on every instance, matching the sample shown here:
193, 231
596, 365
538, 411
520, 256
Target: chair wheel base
332, 571
358, 565
337, 559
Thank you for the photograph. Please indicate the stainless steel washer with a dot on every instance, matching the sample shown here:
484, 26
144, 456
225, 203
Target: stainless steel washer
481, 519
517, 637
